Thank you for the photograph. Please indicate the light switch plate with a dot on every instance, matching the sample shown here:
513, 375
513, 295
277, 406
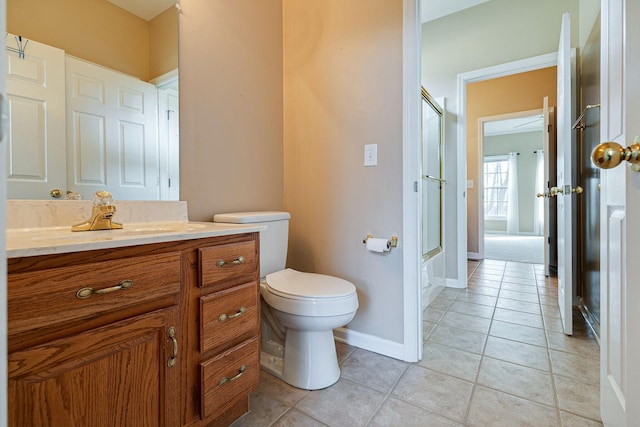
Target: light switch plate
371, 155
470, 183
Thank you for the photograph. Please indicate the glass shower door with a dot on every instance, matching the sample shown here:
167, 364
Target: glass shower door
432, 176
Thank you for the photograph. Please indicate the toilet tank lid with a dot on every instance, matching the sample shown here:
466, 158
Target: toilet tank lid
251, 217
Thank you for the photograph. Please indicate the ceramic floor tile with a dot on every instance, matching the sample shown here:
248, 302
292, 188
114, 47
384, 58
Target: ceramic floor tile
263, 410
551, 300
278, 389
578, 397
295, 418
580, 346
491, 408
440, 303
427, 328
472, 309
514, 387
519, 288
511, 304
550, 311
516, 352
528, 383
458, 338
465, 321
479, 289
521, 333
519, 276
343, 404
518, 281
477, 299
518, 317
520, 296
553, 324
451, 361
395, 412
344, 350
439, 393
448, 293
373, 370
431, 314
575, 366
571, 420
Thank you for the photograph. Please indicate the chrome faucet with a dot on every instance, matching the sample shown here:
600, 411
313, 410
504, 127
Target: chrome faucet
101, 214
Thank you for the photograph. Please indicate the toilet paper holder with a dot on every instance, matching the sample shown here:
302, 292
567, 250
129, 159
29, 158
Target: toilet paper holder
393, 242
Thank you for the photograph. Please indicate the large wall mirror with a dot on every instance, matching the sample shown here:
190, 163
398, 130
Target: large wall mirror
432, 176
92, 91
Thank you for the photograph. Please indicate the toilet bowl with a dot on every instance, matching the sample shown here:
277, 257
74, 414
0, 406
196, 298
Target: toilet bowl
298, 310
309, 360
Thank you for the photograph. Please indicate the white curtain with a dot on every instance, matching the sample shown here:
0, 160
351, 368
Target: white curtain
513, 222
538, 206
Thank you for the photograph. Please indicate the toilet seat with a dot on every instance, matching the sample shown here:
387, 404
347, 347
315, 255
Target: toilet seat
309, 294
294, 284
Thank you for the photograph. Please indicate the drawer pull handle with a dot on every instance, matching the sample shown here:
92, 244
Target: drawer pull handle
224, 317
225, 380
171, 334
221, 263
85, 293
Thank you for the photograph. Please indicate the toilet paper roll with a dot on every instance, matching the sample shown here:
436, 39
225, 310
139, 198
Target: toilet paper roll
378, 245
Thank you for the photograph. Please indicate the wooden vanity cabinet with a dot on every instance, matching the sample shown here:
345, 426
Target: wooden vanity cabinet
152, 352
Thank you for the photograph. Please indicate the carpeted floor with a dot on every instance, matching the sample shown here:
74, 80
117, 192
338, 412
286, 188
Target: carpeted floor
514, 248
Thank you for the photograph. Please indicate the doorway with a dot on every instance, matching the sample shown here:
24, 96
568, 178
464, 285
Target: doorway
512, 173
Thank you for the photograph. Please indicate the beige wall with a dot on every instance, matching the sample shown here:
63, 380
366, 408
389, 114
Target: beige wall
163, 43
343, 89
519, 92
94, 30
231, 125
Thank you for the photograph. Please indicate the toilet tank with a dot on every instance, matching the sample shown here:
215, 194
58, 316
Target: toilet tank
273, 241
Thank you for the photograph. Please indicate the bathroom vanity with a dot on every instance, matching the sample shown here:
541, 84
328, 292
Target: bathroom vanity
156, 326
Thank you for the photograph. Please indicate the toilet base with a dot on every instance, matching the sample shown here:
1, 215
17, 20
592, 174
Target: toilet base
310, 360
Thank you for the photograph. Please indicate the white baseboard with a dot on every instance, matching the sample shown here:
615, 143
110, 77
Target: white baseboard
369, 342
474, 256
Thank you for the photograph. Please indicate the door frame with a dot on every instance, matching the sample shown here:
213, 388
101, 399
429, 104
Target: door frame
501, 70
411, 211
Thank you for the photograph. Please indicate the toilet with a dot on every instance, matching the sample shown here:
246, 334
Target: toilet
298, 310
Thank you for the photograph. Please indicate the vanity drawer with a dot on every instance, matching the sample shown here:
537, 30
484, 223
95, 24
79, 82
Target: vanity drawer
227, 265
45, 298
227, 316
229, 376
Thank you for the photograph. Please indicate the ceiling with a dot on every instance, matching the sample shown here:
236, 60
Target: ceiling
431, 9
434, 9
145, 9
517, 125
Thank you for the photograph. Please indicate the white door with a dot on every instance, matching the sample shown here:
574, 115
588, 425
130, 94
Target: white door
620, 207
36, 161
564, 175
112, 133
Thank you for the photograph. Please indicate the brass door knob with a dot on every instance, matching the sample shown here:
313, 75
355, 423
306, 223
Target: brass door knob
554, 191
55, 193
610, 154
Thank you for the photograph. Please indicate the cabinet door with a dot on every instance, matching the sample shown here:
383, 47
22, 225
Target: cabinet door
116, 375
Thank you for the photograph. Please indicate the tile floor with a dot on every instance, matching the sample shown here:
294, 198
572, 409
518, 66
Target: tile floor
494, 355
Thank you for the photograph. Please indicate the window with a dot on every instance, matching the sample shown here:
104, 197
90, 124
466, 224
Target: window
496, 178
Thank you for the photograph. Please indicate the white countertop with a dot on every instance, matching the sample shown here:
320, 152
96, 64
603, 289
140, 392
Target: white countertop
43, 227
24, 242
